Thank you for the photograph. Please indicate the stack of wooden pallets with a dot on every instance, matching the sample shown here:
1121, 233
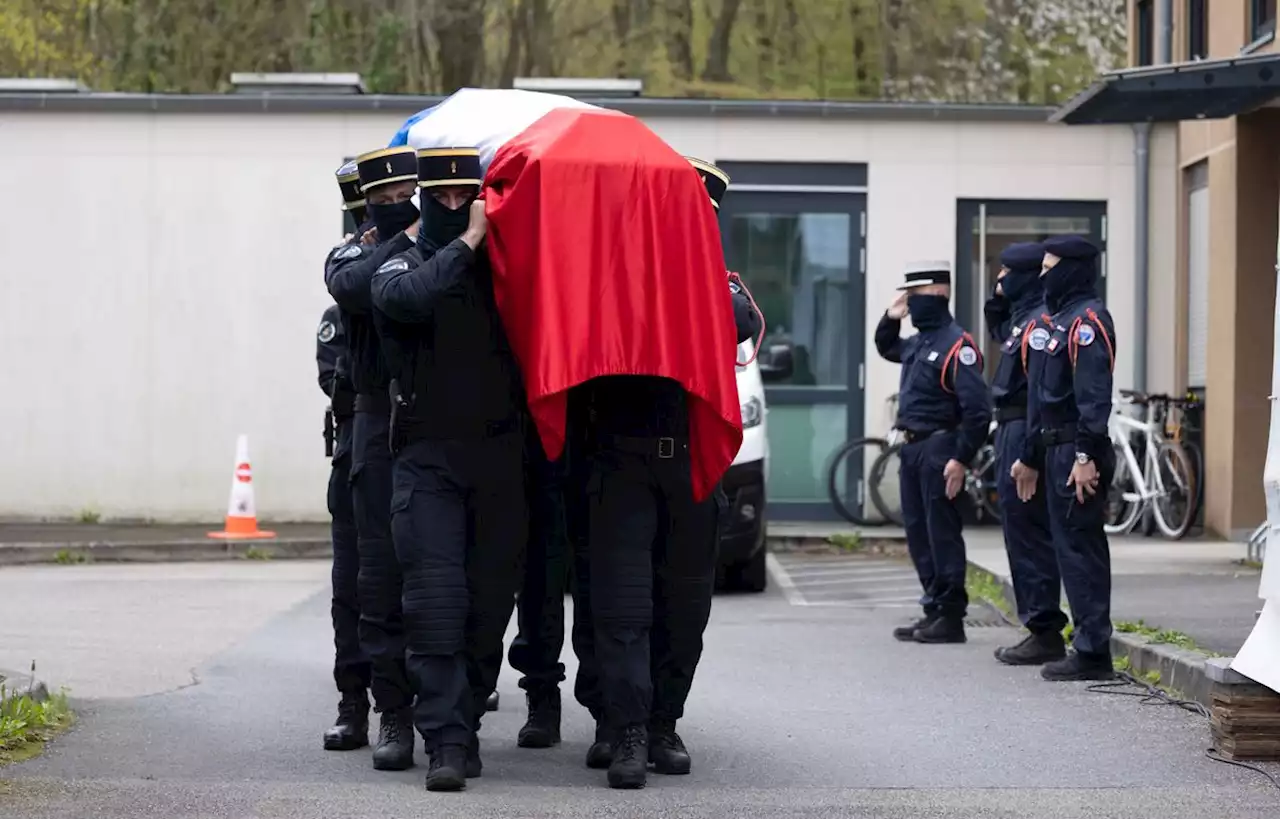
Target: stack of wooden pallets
1245, 722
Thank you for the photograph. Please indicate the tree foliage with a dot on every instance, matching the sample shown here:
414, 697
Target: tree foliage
1032, 51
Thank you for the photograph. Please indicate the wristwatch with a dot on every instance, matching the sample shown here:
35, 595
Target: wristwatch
1082, 458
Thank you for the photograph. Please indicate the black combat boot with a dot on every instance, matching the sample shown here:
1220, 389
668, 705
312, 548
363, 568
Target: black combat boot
907, 633
448, 771
666, 750
351, 731
1035, 649
941, 630
394, 751
600, 754
630, 758
1079, 666
475, 768
542, 728
491, 704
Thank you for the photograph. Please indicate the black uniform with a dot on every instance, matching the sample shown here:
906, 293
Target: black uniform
351, 669
944, 411
348, 273
1070, 402
1016, 319
458, 509
649, 571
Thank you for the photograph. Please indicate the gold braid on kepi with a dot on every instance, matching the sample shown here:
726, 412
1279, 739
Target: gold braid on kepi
385, 166
349, 183
715, 180
442, 167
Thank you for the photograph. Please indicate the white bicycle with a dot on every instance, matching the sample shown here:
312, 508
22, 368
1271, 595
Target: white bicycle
1163, 481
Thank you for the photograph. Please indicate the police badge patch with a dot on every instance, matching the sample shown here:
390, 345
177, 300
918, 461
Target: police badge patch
1084, 335
734, 287
1039, 338
348, 252
968, 357
394, 266
327, 332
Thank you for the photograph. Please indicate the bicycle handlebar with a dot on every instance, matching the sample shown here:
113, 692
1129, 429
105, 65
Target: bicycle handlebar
1143, 398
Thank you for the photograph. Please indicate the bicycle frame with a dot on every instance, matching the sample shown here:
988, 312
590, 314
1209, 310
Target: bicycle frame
1121, 428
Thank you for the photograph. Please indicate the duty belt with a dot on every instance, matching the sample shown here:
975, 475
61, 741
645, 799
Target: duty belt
913, 436
1012, 413
373, 402
1058, 435
664, 447
343, 404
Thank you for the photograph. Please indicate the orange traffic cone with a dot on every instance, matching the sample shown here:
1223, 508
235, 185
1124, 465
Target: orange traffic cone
242, 517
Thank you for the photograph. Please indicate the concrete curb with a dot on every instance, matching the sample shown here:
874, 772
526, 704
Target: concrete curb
1192, 675
172, 551
21, 685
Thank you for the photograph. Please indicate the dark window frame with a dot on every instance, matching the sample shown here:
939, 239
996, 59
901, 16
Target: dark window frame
1197, 29
1262, 21
1145, 25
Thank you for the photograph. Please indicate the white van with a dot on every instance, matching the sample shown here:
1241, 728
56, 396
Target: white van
743, 533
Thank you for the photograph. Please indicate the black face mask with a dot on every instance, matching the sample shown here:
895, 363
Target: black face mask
1067, 280
391, 219
441, 225
929, 312
1021, 284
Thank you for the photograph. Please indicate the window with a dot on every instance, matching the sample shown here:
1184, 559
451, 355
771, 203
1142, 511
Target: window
1197, 30
1263, 18
1146, 33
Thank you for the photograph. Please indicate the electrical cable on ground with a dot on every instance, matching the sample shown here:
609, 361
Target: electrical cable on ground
1150, 695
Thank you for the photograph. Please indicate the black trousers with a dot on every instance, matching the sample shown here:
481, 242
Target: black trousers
535, 652
935, 537
379, 580
1084, 554
651, 551
460, 522
351, 668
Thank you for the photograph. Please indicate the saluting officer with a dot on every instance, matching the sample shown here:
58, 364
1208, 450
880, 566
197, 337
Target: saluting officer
351, 672
1070, 392
458, 510
944, 411
1016, 318
640, 514
387, 180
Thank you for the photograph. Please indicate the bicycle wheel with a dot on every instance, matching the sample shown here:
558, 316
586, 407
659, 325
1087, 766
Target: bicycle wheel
1120, 515
1197, 472
847, 471
1174, 510
885, 491
980, 483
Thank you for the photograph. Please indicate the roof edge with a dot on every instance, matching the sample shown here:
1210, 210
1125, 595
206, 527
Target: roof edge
317, 103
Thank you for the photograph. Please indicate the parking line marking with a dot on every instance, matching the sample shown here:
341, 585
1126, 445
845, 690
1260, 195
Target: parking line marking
848, 570
842, 581
780, 576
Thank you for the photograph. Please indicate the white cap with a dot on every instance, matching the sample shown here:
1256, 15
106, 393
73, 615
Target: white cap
919, 274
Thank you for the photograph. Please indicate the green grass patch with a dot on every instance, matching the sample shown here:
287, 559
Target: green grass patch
66, 557
89, 515
1156, 634
27, 724
254, 553
1122, 665
850, 543
986, 587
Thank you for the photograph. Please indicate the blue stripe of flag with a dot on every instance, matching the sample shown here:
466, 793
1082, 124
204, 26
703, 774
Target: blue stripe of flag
402, 136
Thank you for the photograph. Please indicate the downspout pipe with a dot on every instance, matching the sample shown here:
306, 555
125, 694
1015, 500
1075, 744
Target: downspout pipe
1141, 262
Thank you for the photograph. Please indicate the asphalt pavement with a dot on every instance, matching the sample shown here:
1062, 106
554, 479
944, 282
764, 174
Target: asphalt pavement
799, 710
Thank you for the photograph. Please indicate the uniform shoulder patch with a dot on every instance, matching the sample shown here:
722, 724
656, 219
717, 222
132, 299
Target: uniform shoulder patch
968, 356
327, 332
1039, 339
394, 266
1085, 335
348, 252
734, 287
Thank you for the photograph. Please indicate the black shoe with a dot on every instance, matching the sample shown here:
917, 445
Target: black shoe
394, 751
542, 728
600, 754
351, 731
942, 630
448, 771
907, 634
1077, 666
667, 753
475, 768
491, 704
630, 758
1035, 649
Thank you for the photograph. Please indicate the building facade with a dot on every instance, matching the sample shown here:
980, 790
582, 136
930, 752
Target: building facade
164, 271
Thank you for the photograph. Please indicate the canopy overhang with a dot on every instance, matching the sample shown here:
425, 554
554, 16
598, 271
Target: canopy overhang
1203, 89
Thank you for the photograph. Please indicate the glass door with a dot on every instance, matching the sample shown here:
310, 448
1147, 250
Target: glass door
801, 255
986, 227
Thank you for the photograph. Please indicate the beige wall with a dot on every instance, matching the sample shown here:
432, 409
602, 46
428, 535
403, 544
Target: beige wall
177, 304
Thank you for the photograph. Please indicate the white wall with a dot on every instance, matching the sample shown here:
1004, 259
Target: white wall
162, 280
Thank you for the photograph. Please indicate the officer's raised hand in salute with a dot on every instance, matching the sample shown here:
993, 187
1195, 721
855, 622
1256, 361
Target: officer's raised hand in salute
944, 410
1070, 402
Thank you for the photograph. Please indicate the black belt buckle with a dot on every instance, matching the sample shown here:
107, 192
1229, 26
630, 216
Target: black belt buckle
666, 448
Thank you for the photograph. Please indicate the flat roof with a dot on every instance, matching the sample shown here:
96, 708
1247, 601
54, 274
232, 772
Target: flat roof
321, 103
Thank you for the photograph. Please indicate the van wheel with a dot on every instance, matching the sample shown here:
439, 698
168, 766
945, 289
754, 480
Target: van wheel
751, 575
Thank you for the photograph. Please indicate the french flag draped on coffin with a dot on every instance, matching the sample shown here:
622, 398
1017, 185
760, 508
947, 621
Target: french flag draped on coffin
606, 258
